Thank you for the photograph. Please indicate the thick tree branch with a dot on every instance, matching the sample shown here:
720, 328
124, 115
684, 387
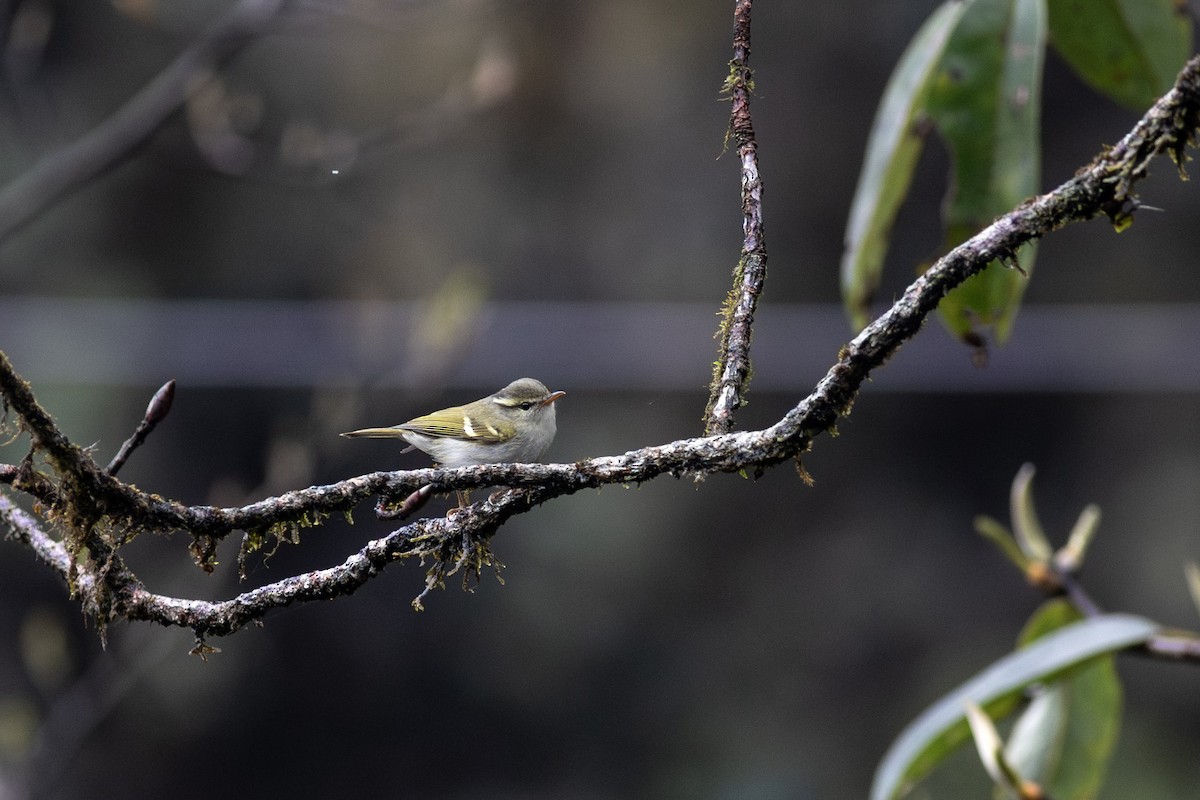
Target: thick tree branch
81, 161
731, 373
91, 501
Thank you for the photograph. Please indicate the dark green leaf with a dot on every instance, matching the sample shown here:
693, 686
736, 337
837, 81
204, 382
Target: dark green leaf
985, 103
892, 152
1065, 738
1128, 49
942, 727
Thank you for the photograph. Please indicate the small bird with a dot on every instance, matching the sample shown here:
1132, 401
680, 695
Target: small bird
514, 425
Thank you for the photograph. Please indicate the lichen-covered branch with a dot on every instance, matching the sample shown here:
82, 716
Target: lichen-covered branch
100, 513
731, 372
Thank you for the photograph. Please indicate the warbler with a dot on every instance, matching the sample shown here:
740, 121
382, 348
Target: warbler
514, 425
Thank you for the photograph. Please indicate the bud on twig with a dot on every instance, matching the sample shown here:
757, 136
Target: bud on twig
156, 412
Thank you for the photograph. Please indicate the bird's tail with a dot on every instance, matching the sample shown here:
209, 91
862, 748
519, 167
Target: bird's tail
375, 433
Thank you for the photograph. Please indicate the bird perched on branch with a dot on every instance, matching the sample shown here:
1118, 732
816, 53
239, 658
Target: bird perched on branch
514, 425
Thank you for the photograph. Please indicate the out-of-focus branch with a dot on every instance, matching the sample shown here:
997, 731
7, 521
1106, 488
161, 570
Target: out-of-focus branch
1166, 645
731, 372
102, 147
458, 543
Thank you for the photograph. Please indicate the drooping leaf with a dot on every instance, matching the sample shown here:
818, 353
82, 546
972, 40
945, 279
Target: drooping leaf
892, 152
1035, 744
990, 747
1065, 738
1129, 50
997, 689
985, 103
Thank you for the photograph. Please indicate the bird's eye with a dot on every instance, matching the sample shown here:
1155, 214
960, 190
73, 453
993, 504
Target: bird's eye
526, 405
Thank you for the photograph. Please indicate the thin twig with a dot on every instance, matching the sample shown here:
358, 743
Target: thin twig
1167, 644
1173, 646
156, 412
1078, 596
731, 373
99, 149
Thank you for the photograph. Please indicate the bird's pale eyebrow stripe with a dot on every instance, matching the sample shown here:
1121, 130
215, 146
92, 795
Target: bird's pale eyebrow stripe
468, 428
504, 401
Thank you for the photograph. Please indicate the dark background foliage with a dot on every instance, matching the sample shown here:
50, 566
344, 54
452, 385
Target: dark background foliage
734, 639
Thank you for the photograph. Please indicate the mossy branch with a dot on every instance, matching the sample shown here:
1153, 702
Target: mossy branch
731, 372
86, 500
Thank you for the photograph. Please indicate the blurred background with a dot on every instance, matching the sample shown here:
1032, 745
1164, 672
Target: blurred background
379, 208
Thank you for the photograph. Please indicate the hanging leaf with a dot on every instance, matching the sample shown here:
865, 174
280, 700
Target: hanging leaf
985, 104
942, 727
1130, 50
892, 152
1065, 738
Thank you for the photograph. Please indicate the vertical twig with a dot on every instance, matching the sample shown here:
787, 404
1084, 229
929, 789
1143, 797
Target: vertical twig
731, 372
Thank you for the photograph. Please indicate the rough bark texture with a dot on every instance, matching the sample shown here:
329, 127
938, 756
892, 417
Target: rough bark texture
97, 514
731, 372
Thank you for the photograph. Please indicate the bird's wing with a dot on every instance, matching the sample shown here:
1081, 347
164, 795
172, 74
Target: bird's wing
456, 423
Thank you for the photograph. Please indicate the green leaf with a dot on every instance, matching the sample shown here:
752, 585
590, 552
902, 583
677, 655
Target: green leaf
1027, 529
996, 533
1065, 738
939, 729
892, 152
1094, 703
990, 747
985, 102
1129, 50
1069, 558
1052, 615
1035, 744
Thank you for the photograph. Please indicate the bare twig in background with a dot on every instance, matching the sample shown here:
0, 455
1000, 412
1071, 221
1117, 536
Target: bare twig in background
731, 372
58, 173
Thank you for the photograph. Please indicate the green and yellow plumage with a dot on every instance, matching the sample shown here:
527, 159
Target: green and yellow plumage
516, 424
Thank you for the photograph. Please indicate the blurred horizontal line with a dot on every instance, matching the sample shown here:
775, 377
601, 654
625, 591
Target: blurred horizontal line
661, 346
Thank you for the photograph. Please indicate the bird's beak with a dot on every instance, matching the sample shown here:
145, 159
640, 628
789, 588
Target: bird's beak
553, 396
